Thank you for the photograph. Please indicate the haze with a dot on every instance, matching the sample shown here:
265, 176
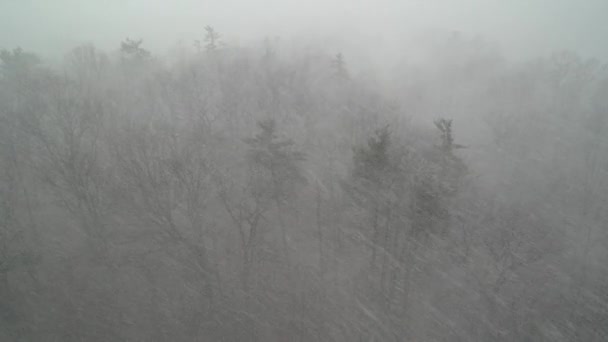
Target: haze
522, 28
303, 171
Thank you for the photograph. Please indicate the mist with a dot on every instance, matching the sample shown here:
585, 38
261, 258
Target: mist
521, 28
303, 171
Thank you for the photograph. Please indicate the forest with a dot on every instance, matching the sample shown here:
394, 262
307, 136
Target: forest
274, 192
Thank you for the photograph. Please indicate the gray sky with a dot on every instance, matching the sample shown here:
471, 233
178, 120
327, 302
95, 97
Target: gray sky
522, 28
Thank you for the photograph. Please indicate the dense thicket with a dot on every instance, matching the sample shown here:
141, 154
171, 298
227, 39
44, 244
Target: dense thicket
235, 194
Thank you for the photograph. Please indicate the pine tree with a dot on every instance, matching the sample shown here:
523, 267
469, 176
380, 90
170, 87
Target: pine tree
276, 171
372, 160
275, 160
212, 38
374, 188
339, 66
451, 168
437, 182
131, 50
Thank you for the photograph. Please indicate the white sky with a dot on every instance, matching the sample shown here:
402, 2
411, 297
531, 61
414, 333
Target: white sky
522, 28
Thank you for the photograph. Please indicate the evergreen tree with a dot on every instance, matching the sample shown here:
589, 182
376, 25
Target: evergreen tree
451, 168
212, 38
275, 161
132, 51
376, 187
339, 66
276, 170
372, 160
438, 180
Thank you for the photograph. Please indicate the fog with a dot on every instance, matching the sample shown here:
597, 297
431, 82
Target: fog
303, 171
522, 28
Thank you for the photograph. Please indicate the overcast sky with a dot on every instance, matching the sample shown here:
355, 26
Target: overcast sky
521, 27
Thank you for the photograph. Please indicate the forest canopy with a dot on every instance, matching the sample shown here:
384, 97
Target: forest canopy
272, 193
